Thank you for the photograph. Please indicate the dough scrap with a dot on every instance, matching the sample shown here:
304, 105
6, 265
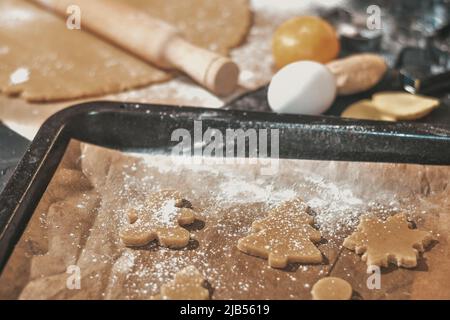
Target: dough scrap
284, 236
404, 106
357, 73
41, 60
161, 219
365, 109
188, 284
388, 241
332, 288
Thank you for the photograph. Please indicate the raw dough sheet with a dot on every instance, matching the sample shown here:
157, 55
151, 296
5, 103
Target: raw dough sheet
42, 60
78, 219
253, 56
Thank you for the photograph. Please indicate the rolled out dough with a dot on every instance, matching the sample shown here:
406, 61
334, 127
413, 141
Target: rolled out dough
41, 60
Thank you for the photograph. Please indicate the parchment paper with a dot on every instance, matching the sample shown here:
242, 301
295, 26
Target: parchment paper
77, 223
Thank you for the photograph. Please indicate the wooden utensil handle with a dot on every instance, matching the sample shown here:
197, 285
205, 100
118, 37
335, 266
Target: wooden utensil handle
152, 40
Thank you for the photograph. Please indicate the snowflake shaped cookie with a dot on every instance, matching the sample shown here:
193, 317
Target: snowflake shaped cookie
388, 241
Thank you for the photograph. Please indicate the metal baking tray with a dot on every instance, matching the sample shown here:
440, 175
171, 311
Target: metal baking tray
134, 127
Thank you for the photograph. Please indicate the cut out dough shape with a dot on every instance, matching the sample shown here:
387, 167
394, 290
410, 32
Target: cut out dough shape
188, 284
357, 73
42, 60
365, 109
332, 288
160, 220
404, 106
388, 241
284, 236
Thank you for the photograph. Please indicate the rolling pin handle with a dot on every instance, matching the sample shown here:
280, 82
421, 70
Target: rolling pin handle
217, 73
152, 40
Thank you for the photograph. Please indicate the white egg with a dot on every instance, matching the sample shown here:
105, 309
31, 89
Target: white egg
303, 87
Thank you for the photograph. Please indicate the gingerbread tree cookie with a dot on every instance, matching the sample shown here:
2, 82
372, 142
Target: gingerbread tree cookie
284, 236
188, 284
388, 241
160, 219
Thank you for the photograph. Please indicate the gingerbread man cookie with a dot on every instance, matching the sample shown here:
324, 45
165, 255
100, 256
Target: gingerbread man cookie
188, 284
284, 236
388, 241
160, 219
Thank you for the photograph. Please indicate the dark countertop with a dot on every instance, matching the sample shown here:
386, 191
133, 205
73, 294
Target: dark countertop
12, 147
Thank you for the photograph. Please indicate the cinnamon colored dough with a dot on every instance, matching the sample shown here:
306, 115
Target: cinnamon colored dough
332, 288
159, 218
41, 60
391, 241
285, 236
188, 284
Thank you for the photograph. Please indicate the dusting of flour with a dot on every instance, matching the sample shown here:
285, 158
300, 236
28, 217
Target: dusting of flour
336, 205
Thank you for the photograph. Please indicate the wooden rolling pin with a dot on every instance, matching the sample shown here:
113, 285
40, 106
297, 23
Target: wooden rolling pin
152, 40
